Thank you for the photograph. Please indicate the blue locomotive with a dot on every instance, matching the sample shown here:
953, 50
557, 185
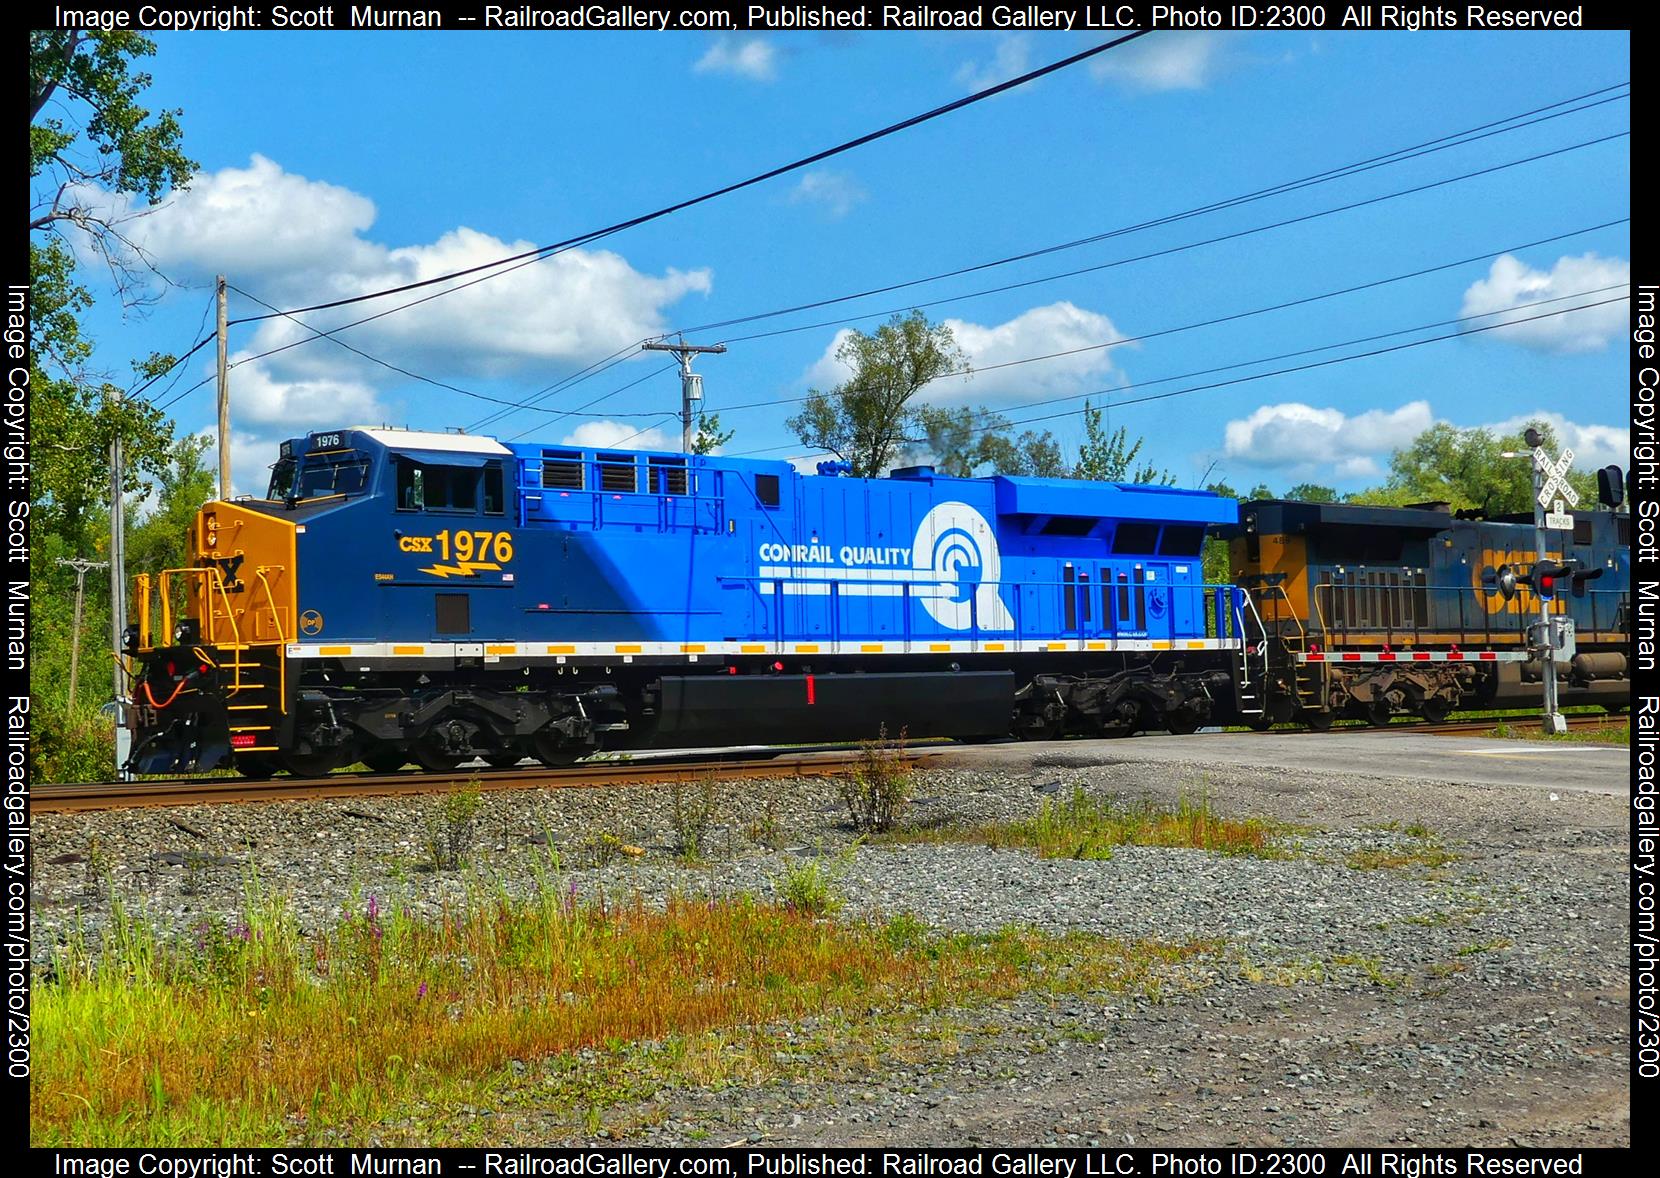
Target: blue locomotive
405, 596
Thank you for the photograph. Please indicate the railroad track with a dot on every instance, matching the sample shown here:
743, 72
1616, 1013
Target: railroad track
194, 791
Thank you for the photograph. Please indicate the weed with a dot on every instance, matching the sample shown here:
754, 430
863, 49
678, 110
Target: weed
1484, 946
810, 887
1085, 827
692, 817
1419, 853
879, 787
449, 832
766, 831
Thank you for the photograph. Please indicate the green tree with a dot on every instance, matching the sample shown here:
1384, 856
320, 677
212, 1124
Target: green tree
1312, 493
1110, 458
967, 441
867, 420
1032, 455
1466, 468
710, 437
90, 139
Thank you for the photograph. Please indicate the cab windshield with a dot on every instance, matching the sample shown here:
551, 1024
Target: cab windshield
344, 472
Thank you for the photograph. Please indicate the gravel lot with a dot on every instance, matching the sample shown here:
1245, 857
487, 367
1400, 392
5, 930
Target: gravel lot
1482, 1002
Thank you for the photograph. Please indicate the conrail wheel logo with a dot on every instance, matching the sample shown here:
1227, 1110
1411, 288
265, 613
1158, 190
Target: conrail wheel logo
957, 567
951, 569
311, 622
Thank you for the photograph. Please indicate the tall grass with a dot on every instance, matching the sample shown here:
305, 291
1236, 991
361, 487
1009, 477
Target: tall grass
1083, 826
254, 1033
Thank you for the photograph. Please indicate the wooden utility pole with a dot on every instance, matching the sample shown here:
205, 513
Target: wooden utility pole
81, 567
224, 402
691, 384
118, 589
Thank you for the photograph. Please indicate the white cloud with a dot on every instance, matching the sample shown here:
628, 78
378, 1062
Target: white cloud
260, 398
255, 224
1168, 61
1303, 439
1510, 282
835, 192
291, 240
1041, 331
748, 57
1011, 58
1594, 446
605, 435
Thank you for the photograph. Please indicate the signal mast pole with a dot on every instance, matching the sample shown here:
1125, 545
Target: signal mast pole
1550, 487
691, 384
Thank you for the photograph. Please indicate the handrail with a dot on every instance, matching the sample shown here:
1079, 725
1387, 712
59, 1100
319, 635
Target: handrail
1291, 611
276, 622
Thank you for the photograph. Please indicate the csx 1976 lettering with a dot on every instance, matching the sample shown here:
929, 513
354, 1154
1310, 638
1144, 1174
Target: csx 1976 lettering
497, 546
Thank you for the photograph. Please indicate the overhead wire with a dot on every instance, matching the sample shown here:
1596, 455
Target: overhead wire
1186, 246
1118, 404
1399, 155
1235, 315
541, 252
510, 407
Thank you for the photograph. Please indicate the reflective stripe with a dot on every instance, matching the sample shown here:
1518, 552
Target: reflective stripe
536, 650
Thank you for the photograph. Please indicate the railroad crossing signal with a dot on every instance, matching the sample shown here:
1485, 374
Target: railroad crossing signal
1555, 485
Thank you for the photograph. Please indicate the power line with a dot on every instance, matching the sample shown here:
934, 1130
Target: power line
594, 235
367, 356
531, 257
1237, 315
1178, 249
1400, 155
1276, 372
509, 407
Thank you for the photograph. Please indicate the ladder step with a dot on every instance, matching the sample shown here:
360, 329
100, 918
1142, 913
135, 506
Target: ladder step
247, 707
250, 728
258, 748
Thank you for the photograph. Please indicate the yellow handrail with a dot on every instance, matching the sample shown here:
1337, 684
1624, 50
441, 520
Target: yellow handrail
276, 623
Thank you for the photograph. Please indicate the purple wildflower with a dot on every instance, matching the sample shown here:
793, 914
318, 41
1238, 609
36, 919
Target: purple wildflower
422, 992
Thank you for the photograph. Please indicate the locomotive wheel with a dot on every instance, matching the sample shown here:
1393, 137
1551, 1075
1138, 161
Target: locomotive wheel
505, 759
315, 764
433, 760
1181, 721
1318, 721
555, 755
1435, 711
386, 760
1260, 723
256, 768
1377, 713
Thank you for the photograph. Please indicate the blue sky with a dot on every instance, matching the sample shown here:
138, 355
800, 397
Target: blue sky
334, 163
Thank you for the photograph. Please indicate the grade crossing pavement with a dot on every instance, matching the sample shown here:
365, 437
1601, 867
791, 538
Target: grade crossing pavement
1554, 766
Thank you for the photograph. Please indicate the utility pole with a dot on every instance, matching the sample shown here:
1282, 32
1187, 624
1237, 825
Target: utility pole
691, 384
224, 401
81, 567
118, 591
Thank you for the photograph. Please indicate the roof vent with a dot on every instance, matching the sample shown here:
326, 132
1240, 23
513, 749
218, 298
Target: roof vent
912, 472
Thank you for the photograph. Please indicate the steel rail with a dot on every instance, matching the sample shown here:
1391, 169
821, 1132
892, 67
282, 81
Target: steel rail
106, 795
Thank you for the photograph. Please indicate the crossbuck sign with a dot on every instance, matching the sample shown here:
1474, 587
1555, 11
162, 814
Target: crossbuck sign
1556, 485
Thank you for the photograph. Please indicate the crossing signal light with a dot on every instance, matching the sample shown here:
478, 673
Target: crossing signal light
1544, 577
1611, 486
